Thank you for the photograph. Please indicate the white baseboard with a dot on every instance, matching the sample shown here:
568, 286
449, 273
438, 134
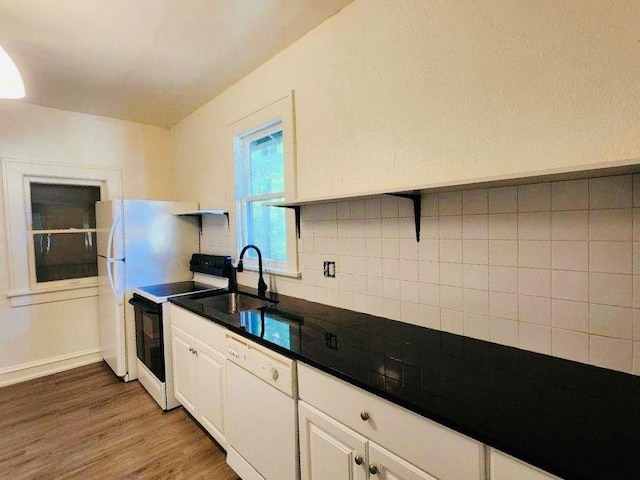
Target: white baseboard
41, 368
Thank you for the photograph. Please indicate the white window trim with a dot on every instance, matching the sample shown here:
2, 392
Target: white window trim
59, 284
17, 174
280, 110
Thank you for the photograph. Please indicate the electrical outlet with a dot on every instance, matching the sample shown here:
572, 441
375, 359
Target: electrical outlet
329, 269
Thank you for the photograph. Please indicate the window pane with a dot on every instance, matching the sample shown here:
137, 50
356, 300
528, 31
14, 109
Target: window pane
55, 206
266, 165
61, 256
266, 229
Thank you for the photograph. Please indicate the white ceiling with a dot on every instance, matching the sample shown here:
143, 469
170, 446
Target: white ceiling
149, 61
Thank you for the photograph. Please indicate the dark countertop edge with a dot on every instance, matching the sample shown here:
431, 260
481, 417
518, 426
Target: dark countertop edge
457, 427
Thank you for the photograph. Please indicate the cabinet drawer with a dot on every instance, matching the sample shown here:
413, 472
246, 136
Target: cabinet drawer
202, 329
436, 449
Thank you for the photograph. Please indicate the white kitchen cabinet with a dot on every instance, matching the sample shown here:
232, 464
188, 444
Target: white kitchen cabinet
184, 381
210, 385
328, 449
426, 445
392, 467
199, 369
505, 467
331, 451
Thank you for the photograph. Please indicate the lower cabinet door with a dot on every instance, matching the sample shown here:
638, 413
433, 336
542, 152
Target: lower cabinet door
328, 449
210, 378
391, 467
184, 381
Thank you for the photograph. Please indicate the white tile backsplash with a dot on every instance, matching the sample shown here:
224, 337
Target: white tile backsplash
475, 276
610, 257
611, 353
570, 345
503, 253
570, 255
475, 202
611, 192
475, 227
571, 225
503, 200
534, 198
570, 195
503, 279
476, 326
535, 338
612, 224
534, 281
503, 226
570, 315
534, 253
476, 252
450, 227
534, 226
611, 289
549, 267
608, 321
450, 203
534, 310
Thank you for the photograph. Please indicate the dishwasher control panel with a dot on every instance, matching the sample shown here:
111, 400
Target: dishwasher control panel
271, 367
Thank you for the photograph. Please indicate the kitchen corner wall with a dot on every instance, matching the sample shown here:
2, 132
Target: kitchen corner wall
49, 337
551, 267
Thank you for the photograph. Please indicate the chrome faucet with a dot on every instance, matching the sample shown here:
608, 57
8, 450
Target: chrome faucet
262, 286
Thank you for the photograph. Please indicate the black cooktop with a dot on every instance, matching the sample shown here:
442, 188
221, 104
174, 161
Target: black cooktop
571, 419
176, 288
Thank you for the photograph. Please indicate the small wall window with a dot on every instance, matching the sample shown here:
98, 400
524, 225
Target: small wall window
63, 231
51, 228
260, 179
264, 151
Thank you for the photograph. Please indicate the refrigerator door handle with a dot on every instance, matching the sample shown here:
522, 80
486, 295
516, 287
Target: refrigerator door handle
112, 233
119, 298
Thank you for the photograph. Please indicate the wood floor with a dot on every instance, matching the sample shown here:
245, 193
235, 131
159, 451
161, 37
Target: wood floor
87, 424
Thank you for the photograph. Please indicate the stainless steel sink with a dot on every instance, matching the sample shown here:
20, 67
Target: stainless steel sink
234, 302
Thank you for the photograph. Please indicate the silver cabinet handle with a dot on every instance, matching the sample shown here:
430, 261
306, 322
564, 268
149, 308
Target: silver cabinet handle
364, 415
359, 460
373, 470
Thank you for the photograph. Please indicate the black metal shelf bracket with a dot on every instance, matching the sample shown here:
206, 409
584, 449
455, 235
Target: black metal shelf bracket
297, 210
417, 208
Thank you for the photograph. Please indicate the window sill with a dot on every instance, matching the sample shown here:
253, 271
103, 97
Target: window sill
23, 298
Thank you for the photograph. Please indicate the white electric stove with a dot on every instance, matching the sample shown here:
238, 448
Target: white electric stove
153, 323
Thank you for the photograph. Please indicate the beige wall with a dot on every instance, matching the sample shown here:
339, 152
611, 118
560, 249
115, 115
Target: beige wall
394, 94
67, 331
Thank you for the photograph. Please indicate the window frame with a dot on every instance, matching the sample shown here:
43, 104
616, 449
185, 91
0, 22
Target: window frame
244, 198
81, 281
280, 111
16, 174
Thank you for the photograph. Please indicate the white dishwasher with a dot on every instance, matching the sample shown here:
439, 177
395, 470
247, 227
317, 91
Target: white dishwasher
261, 417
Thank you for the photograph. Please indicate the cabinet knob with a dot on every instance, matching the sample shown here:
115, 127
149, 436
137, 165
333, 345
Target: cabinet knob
195, 352
191, 349
373, 470
275, 374
359, 460
364, 415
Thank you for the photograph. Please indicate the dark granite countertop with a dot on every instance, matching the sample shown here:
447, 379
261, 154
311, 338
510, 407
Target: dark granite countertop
568, 418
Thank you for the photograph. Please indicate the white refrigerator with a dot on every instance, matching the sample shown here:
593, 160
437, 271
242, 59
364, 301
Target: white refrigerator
140, 242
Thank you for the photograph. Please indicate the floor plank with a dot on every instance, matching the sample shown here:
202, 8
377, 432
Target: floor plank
87, 424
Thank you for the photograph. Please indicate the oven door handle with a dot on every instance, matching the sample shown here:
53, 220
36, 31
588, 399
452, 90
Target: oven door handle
145, 306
